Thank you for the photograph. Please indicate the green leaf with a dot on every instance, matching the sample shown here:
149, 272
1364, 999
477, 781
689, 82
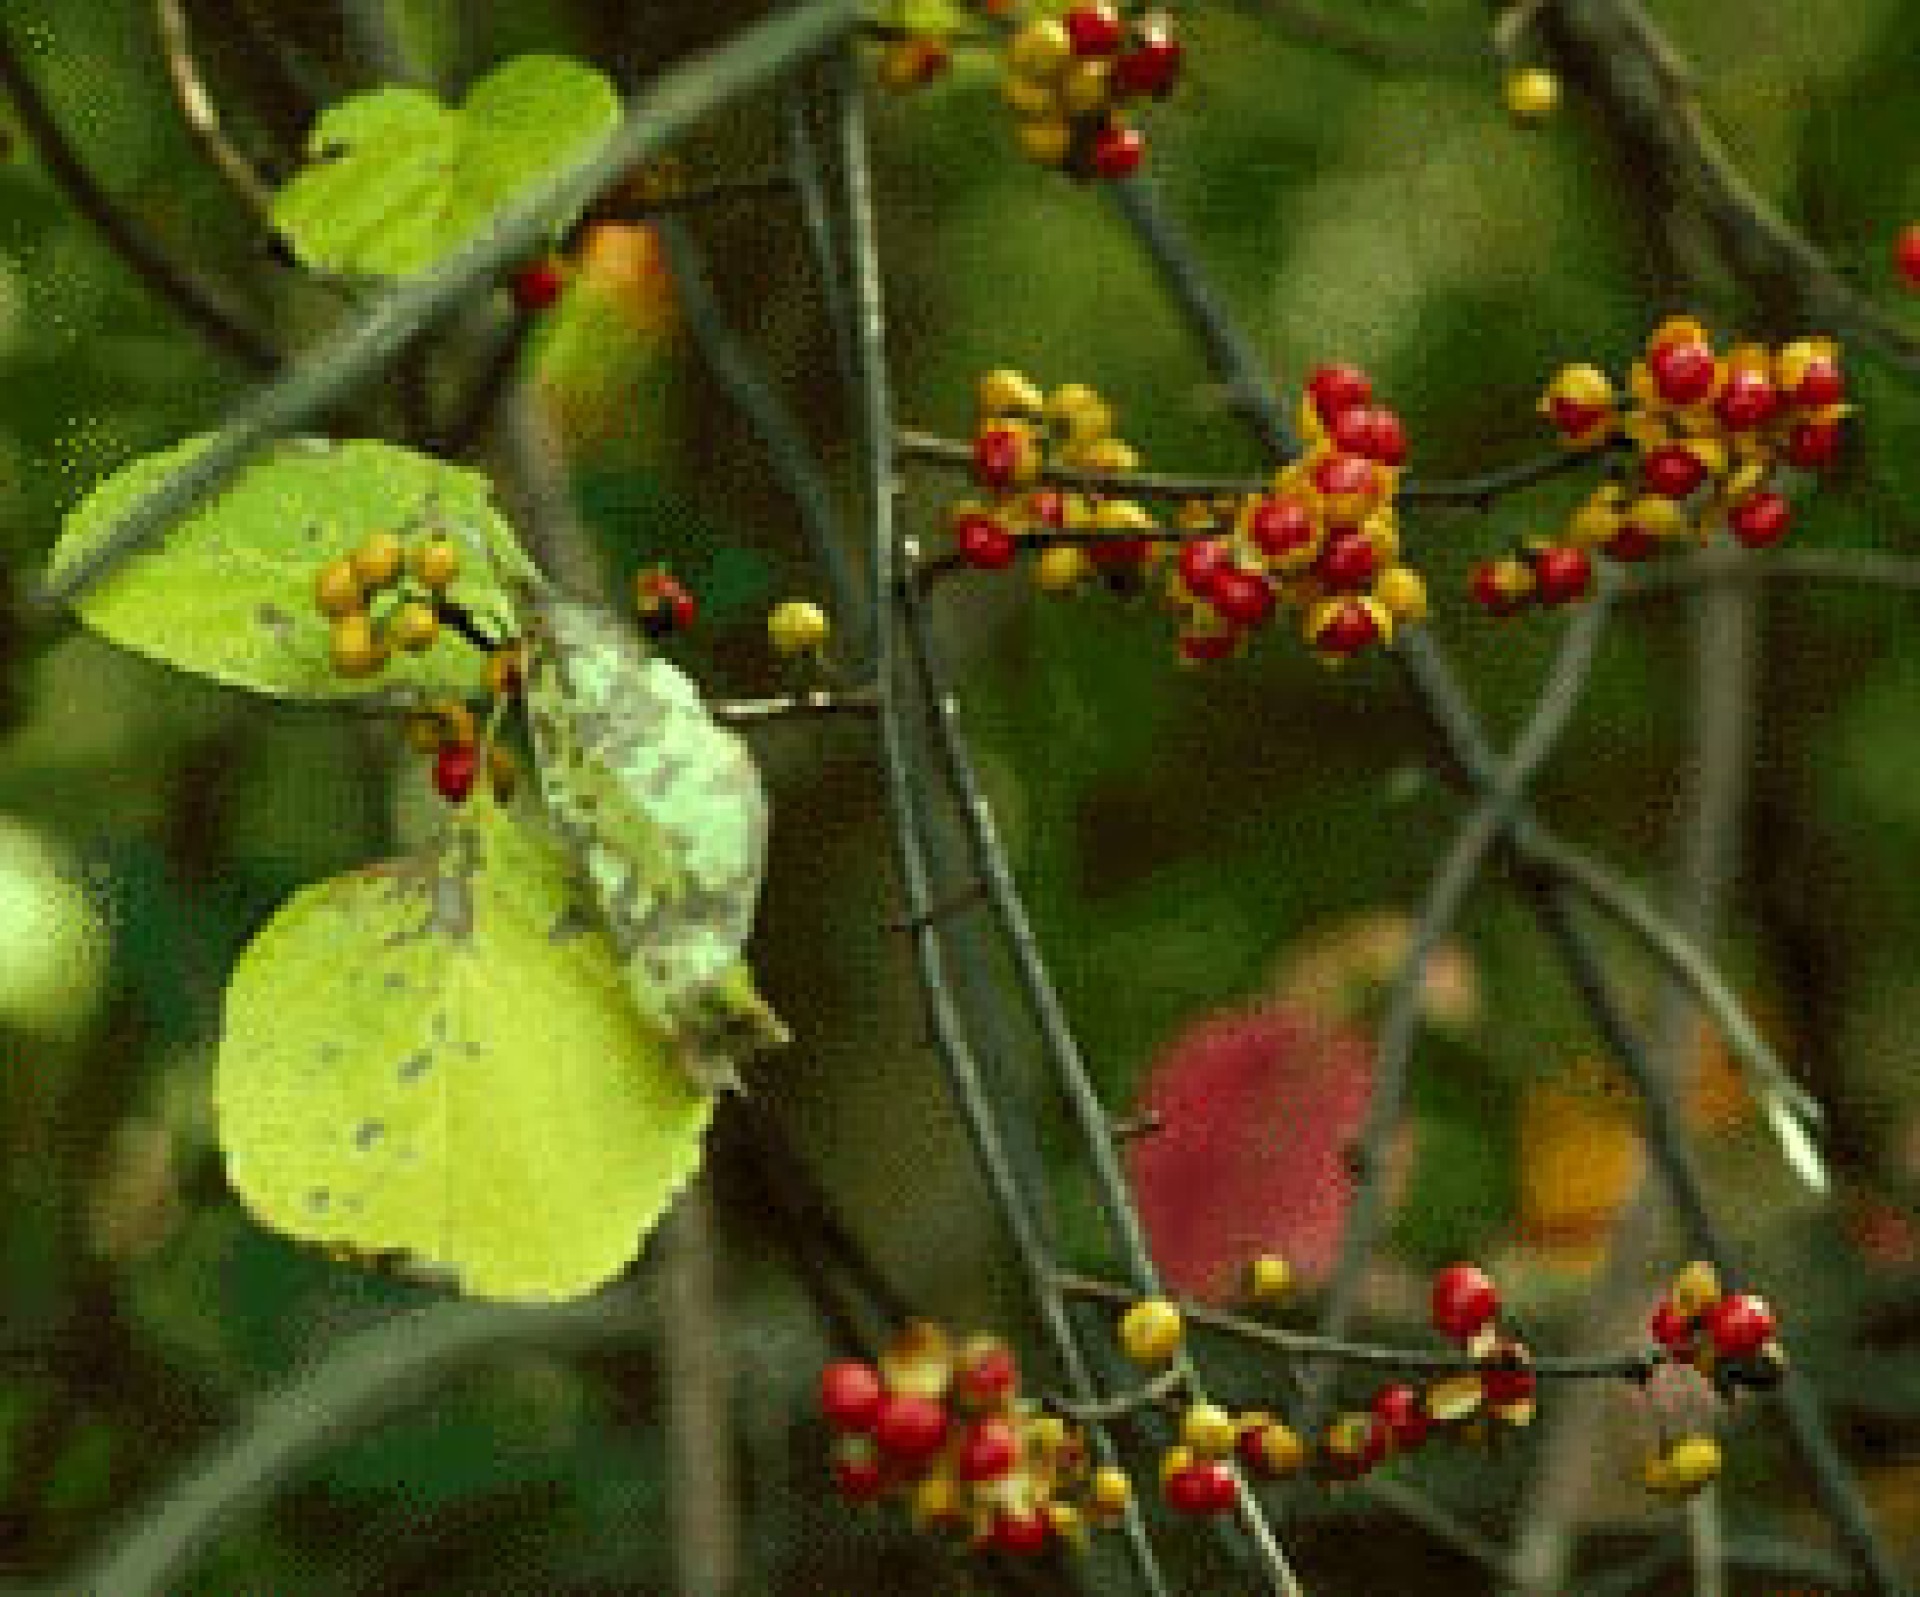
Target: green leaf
399, 181
439, 1057
228, 593
664, 811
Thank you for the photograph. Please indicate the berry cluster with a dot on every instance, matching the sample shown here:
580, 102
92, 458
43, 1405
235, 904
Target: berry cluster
447, 731
1068, 80
1726, 1336
943, 1426
1710, 435
383, 597
1322, 541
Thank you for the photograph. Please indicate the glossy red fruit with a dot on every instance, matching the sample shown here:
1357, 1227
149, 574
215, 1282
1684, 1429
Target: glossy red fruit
1748, 400
1119, 554
850, 1395
1820, 384
1502, 1384
1683, 371
1464, 1299
1906, 254
666, 607
988, 1450
1672, 1329
1336, 386
984, 542
1372, 431
1341, 475
1152, 66
1404, 1413
1348, 563
1049, 507
1204, 646
1202, 560
1094, 30
1351, 630
1280, 526
1672, 470
1243, 597
998, 455
1631, 544
859, 1472
909, 1427
1206, 1487
1814, 445
1117, 151
1740, 1324
537, 286
1761, 520
455, 767
987, 1376
1491, 595
1562, 574
1574, 419
1021, 1533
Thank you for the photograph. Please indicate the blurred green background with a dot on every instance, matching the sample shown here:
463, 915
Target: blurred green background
1183, 834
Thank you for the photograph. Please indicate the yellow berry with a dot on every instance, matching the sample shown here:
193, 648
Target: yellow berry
1085, 87
1682, 1467
377, 561
1209, 1430
1048, 1433
1045, 139
415, 627
1151, 1331
797, 626
1124, 516
1173, 1461
1110, 1491
436, 564
456, 718
1006, 392
424, 733
1533, 93
355, 649
1040, 49
1063, 567
1028, 97
337, 590
1066, 1522
1696, 1288
1402, 590
1085, 415
1269, 1279
1109, 455
1281, 1450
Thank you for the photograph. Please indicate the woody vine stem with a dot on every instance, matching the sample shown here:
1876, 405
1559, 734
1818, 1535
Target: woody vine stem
938, 811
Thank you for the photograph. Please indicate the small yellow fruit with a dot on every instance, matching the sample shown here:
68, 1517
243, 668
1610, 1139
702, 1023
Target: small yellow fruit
1048, 1434
377, 561
1281, 1450
415, 627
1085, 415
424, 733
1109, 455
1209, 1430
1084, 87
1045, 140
1062, 568
1151, 1331
1006, 392
1402, 590
1269, 1279
1124, 516
797, 626
1040, 49
1533, 93
1110, 1491
356, 650
506, 671
1682, 1467
1029, 97
337, 590
1696, 1288
456, 718
1173, 1461
436, 564
1066, 1522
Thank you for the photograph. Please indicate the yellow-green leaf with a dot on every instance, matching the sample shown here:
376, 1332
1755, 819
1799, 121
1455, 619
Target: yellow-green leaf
439, 1057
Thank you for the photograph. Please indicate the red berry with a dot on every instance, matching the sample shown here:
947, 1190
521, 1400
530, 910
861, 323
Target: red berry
1094, 30
665, 605
454, 768
1631, 544
1348, 562
1152, 66
859, 1473
1683, 371
1814, 445
1242, 597
984, 542
1372, 431
998, 455
1341, 475
538, 284
1280, 526
909, 1427
850, 1394
1672, 1329
1202, 646
1562, 574
1464, 1299
1760, 520
1672, 470
1404, 1413
1119, 554
1502, 1384
989, 1376
1049, 507
1748, 399
1491, 595
1336, 386
988, 1450
1351, 630
1820, 384
1202, 560
1574, 419
1739, 1324
1019, 1533
1203, 1488
1906, 253
1117, 150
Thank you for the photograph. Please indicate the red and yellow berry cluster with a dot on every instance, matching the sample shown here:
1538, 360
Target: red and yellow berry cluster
941, 1425
1321, 542
1069, 81
1711, 435
1727, 1336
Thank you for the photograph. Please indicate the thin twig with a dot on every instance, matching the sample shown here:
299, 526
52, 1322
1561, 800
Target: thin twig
1864, 568
795, 706
202, 114
673, 102
188, 297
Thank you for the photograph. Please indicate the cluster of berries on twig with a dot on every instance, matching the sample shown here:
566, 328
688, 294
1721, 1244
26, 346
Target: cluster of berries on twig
942, 1426
1711, 436
1069, 81
383, 597
1322, 541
